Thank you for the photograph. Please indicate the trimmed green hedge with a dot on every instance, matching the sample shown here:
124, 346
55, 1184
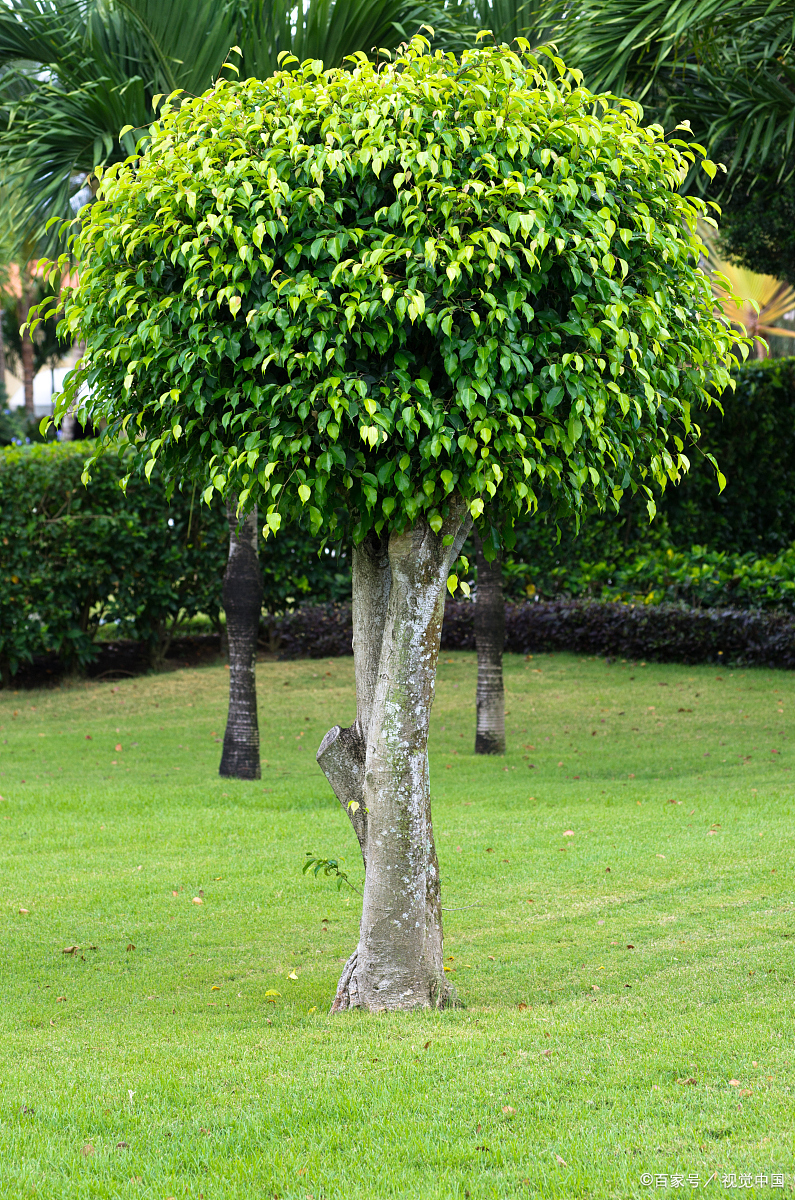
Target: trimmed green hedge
73, 557
749, 528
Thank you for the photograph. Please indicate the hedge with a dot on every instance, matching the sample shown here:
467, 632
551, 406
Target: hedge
698, 577
75, 557
662, 633
754, 442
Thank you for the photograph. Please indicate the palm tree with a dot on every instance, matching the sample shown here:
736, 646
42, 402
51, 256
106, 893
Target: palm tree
73, 74
765, 299
726, 66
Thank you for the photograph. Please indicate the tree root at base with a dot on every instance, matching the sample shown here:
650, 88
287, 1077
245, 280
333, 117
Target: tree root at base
442, 995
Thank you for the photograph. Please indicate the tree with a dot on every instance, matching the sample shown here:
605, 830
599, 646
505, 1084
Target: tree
757, 227
490, 642
78, 82
727, 68
765, 299
399, 298
243, 604
27, 355
73, 73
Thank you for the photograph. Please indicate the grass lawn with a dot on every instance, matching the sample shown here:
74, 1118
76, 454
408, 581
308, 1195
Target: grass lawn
619, 921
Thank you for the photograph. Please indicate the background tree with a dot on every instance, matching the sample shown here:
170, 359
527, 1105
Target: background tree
387, 298
490, 642
78, 83
728, 69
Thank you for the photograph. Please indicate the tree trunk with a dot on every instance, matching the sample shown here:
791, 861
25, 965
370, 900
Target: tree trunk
378, 767
242, 602
490, 639
27, 345
2, 357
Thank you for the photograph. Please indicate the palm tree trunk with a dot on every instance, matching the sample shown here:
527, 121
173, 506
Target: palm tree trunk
243, 603
23, 312
2, 356
490, 640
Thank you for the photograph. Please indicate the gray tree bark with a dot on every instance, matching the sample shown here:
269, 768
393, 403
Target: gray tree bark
243, 603
490, 641
378, 767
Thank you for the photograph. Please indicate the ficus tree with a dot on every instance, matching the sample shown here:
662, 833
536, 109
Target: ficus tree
399, 298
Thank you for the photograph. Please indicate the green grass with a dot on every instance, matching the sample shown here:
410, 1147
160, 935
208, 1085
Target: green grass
123, 1073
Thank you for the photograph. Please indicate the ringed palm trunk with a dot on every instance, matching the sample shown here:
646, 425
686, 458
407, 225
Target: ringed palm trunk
242, 602
378, 767
2, 355
23, 311
490, 640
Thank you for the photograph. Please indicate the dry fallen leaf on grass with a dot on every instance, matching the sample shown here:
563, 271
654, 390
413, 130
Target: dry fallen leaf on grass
87, 1149
24, 912
197, 900
292, 975
562, 1161
509, 1112
70, 949
734, 1083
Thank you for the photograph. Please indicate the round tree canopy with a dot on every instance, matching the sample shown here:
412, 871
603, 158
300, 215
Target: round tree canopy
346, 294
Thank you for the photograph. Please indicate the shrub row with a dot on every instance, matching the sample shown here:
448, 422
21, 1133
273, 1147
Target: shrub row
698, 577
662, 632
754, 442
74, 557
